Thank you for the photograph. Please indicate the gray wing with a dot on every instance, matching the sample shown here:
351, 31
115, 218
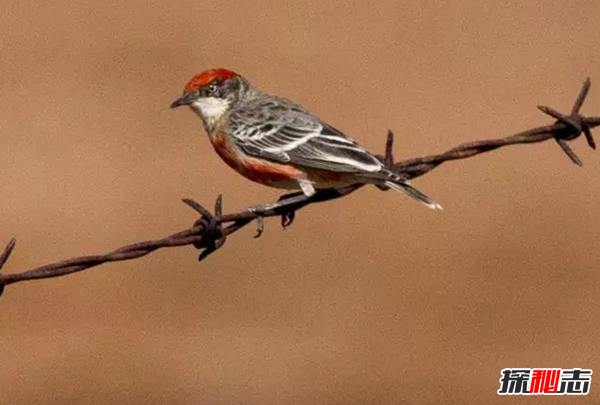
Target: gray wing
283, 132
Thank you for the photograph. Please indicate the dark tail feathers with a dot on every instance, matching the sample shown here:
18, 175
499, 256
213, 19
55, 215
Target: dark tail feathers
409, 190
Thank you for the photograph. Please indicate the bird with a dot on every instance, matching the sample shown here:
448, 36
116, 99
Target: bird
275, 142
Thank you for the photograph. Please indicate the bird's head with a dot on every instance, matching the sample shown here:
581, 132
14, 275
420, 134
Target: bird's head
211, 93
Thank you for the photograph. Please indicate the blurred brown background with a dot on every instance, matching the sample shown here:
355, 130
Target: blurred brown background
371, 299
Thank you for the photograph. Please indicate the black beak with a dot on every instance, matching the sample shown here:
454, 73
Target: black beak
186, 99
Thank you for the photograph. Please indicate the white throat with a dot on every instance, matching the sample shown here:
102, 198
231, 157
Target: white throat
210, 109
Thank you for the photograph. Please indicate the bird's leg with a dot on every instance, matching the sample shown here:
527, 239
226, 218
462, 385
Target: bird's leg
288, 204
307, 187
283, 202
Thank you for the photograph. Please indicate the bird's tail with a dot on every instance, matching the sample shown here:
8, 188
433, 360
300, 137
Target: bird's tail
405, 188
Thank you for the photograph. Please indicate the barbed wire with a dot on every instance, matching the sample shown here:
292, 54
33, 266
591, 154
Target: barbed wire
211, 230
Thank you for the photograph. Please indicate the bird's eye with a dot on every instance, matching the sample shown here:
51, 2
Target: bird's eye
212, 89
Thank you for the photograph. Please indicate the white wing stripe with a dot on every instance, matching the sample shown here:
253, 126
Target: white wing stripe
293, 144
337, 139
370, 168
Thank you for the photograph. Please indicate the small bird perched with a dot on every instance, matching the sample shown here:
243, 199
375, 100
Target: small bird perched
275, 142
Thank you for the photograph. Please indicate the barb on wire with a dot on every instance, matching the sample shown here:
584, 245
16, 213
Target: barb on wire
211, 230
566, 128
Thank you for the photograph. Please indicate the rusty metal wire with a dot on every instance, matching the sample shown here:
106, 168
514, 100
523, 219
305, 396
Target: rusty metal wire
210, 231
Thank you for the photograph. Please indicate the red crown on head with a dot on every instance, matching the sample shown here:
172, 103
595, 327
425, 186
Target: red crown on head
203, 78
